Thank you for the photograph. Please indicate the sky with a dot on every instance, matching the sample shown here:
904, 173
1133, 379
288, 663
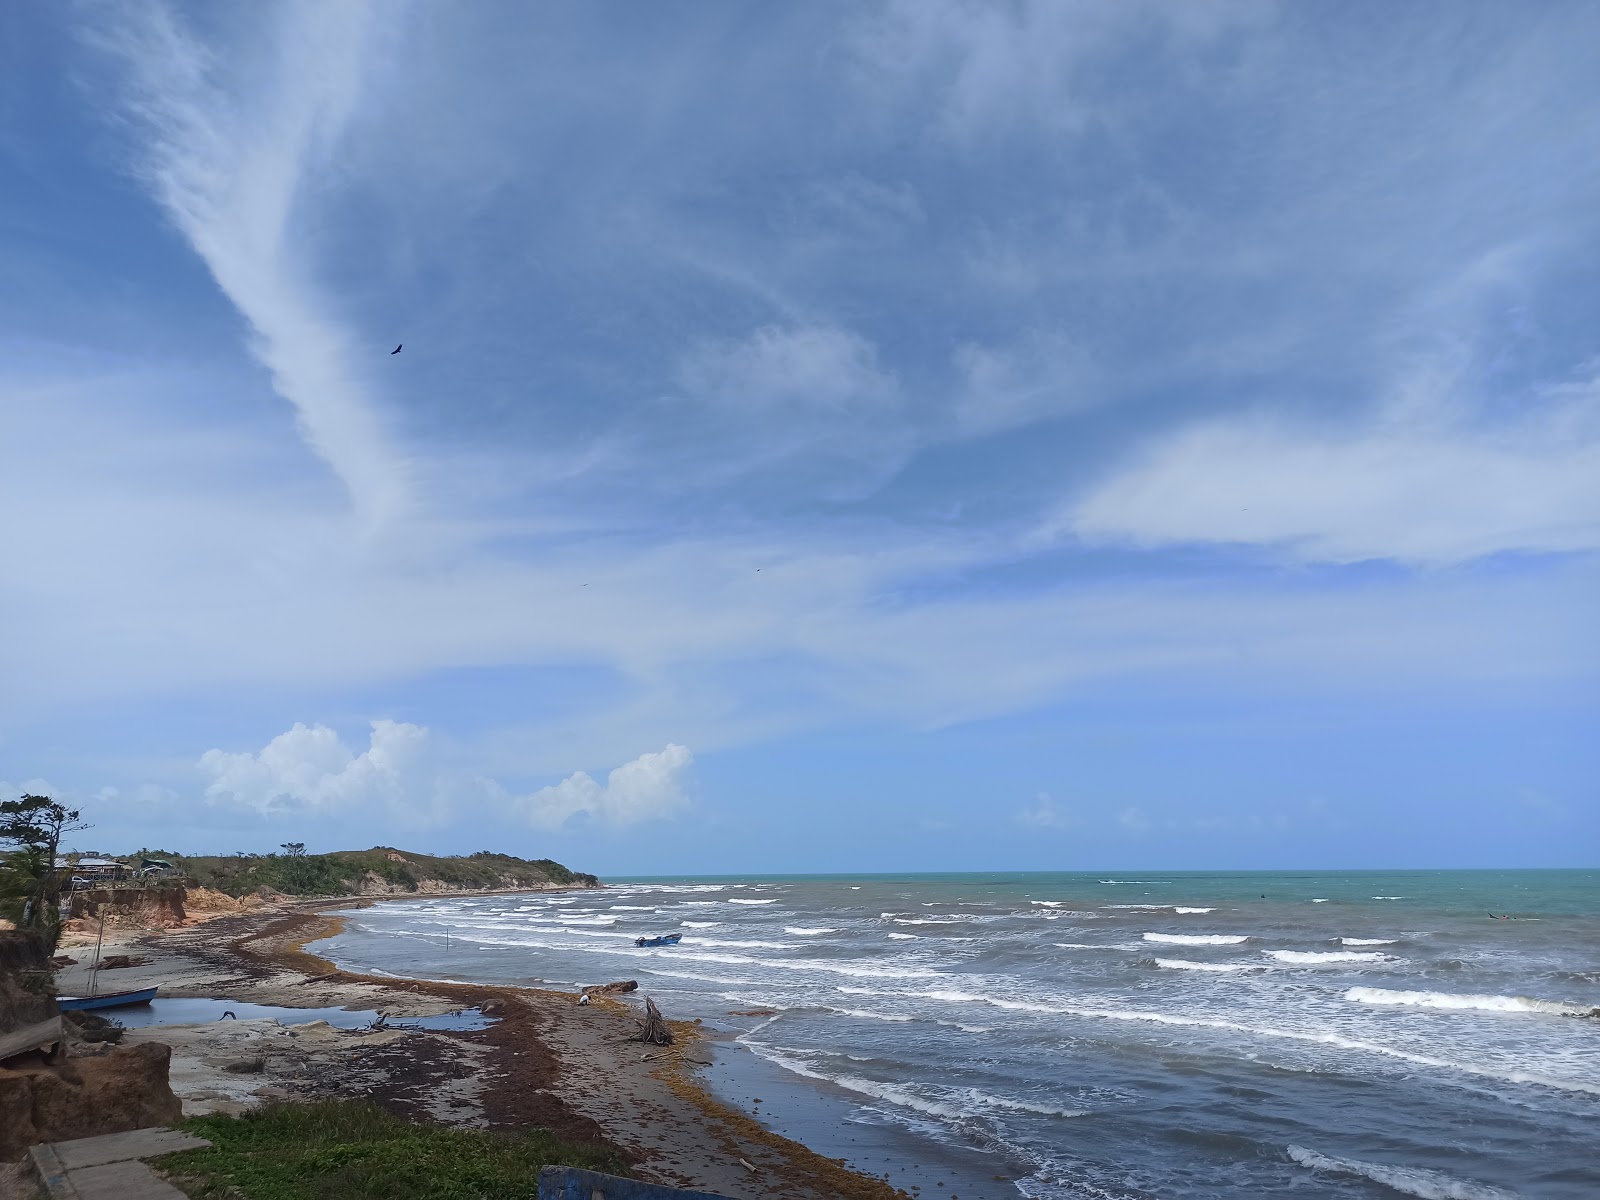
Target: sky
827, 437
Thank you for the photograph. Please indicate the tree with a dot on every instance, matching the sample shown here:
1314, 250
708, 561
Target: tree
38, 822
34, 826
293, 849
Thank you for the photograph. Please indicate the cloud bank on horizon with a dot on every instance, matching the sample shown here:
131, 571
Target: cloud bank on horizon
930, 370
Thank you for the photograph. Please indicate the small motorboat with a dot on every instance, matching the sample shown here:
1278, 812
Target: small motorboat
106, 1000
666, 939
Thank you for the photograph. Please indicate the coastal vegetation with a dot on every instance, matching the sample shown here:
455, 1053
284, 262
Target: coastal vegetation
383, 868
31, 829
355, 1150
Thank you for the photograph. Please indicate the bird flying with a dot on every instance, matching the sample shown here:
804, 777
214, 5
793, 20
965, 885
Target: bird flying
396, 350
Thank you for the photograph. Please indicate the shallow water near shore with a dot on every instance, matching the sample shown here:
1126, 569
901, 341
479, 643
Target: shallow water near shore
1133, 1035
183, 1010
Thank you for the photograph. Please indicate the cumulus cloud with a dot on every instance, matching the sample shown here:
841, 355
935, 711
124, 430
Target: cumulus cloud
309, 769
649, 788
1411, 488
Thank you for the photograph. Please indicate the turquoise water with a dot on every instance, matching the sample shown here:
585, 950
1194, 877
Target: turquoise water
1122, 1034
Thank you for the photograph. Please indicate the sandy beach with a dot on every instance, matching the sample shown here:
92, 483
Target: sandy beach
543, 1061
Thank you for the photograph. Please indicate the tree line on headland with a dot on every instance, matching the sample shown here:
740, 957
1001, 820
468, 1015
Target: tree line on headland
34, 878
349, 872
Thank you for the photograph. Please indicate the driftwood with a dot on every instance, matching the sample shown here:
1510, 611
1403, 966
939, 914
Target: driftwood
653, 1029
612, 989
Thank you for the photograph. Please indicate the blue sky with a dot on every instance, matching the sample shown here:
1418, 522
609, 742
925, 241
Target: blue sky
834, 436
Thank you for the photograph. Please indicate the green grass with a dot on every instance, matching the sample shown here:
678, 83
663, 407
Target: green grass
354, 1150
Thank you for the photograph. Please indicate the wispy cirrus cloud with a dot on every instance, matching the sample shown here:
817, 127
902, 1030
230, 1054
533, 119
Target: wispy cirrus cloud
232, 165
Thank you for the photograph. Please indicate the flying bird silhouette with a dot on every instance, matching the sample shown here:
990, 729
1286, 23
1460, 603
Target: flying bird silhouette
396, 350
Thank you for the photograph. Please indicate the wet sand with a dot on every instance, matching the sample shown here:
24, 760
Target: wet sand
545, 1061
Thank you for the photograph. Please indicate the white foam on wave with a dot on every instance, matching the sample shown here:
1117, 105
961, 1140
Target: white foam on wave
905, 937
699, 924
1319, 899
1412, 1181
1139, 907
1325, 1039
1388, 897
1314, 957
1367, 941
635, 907
1047, 903
1182, 909
705, 941
871, 1016
802, 931
566, 920
1198, 939
738, 900
1453, 1000
1180, 964
1089, 946
957, 1107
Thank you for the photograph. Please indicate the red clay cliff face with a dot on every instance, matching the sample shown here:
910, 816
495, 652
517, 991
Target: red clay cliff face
95, 1089
125, 1088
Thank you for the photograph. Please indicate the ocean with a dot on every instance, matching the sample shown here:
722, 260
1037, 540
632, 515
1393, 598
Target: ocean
1117, 1036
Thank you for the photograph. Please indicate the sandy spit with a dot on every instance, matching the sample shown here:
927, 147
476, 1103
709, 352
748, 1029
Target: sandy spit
546, 1062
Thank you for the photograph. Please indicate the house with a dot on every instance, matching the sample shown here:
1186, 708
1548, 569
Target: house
95, 869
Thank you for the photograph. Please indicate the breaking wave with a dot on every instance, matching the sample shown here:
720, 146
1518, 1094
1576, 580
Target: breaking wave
1453, 1000
802, 931
1327, 956
1412, 1181
1198, 939
1180, 964
1368, 941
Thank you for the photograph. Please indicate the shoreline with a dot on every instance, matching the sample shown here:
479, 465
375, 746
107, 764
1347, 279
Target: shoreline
544, 1061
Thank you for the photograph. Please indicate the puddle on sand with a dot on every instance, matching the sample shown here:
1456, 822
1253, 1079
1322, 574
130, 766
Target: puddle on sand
198, 1011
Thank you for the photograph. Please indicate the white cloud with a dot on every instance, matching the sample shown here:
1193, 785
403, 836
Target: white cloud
1414, 488
309, 770
989, 70
310, 773
650, 788
231, 170
1004, 387
1134, 820
1045, 814
796, 369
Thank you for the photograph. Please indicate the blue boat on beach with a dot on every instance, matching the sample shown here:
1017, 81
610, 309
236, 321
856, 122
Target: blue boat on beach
109, 1000
666, 939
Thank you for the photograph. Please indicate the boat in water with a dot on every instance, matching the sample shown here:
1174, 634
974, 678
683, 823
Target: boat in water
666, 939
106, 1000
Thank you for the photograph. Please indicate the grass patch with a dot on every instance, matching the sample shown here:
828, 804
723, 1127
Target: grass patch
354, 1150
